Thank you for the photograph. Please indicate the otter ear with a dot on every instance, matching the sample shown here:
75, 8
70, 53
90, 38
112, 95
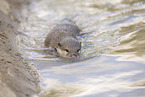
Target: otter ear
59, 44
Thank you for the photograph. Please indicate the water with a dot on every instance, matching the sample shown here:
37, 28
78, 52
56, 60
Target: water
113, 39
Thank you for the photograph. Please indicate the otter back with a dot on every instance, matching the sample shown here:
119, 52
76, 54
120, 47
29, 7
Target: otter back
59, 32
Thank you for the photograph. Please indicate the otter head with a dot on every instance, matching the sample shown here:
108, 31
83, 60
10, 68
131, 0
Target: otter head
69, 47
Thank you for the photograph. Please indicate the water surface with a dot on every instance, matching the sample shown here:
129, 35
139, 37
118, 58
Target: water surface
113, 47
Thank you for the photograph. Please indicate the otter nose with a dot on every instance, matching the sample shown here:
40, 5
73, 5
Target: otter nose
74, 55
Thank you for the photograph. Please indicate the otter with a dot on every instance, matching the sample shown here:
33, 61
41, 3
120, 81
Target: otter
62, 37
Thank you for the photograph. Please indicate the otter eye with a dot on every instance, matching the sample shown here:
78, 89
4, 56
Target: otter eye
66, 50
78, 50
59, 44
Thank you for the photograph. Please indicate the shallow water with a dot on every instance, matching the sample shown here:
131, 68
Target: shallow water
113, 47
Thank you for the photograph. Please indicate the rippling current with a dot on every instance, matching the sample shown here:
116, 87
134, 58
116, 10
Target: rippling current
113, 47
